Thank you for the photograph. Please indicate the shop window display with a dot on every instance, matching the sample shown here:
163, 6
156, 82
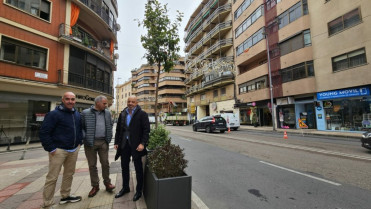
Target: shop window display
287, 118
347, 115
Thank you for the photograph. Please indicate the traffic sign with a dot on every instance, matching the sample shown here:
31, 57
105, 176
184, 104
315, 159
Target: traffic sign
302, 124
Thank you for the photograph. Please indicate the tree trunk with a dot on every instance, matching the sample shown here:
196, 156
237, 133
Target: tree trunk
156, 99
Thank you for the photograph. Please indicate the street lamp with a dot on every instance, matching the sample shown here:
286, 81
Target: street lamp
117, 94
270, 82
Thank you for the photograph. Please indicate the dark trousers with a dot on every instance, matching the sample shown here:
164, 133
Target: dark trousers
125, 160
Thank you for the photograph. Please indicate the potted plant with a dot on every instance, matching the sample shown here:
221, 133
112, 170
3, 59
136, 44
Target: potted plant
166, 185
157, 137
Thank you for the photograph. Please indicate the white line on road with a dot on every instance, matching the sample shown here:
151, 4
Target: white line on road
196, 200
303, 174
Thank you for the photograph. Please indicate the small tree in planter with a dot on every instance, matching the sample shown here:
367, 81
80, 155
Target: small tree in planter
167, 186
157, 137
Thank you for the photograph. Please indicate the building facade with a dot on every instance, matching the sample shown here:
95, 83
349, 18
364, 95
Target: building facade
318, 69
48, 48
210, 59
171, 89
123, 91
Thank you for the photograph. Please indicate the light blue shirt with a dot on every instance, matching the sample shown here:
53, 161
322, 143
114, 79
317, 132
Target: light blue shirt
128, 116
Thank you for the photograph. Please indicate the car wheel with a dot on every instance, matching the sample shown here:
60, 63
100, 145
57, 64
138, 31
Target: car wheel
194, 128
208, 129
222, 131
235, 129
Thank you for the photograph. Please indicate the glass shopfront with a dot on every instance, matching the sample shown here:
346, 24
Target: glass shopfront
346, 109
258, 114
286, 117
21, 117
348, 114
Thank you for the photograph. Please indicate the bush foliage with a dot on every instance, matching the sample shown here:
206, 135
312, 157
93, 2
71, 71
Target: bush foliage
167, 161
158, 137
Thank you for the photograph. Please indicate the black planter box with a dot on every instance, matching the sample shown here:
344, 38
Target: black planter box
167, 193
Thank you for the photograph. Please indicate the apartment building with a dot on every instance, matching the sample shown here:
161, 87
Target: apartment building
317, 60
210, 59
49, 47
171, 89
123, 91
341, 50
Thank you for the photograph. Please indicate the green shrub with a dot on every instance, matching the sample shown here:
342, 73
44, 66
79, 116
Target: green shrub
167, 161
158, 137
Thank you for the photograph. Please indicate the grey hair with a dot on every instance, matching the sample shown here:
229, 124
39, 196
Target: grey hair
99, 98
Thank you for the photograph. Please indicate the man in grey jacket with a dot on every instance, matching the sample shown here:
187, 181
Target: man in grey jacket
97, 129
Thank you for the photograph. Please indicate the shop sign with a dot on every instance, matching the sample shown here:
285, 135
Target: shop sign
344, 93
40, 116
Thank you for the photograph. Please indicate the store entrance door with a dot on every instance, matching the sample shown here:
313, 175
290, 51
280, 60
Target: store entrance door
311, 116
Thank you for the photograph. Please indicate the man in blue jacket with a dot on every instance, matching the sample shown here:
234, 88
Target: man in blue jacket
61, 136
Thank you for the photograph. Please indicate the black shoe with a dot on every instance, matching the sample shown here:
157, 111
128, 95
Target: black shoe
70, 198
122, 192
137, 196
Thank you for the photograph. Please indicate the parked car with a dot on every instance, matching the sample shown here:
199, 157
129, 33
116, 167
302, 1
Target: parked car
233, 120
366, 139
210, 124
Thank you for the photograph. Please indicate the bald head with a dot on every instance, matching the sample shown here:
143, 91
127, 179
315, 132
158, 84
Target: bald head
69, 100
132, 102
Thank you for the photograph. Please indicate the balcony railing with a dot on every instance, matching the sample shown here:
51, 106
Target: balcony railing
206, 7
216, 77
201, 57
219, 10
75, 36
82, 81
209, 36
96, 6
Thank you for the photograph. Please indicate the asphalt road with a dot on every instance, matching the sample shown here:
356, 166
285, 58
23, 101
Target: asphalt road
261, 170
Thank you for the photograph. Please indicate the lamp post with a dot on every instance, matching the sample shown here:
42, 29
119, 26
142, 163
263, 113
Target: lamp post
117, 99
270, 83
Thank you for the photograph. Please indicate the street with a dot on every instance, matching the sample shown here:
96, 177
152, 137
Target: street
251, 169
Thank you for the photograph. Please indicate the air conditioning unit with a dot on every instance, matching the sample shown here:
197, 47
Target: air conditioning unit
116, 56
105, 44
118, 27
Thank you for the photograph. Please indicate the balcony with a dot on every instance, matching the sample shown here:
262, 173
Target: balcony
216, 79
221, 64
69, 35
221, 29
221, 12
85, 82
221, 45
91, 13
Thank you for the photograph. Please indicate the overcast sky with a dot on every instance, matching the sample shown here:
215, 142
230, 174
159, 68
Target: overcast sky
130, 49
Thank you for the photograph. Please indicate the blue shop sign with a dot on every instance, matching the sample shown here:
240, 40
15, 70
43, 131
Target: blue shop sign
353, 92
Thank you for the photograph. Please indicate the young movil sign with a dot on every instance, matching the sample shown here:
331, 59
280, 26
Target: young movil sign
351, 92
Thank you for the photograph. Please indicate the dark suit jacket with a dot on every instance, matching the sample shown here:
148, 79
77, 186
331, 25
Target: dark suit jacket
138, 132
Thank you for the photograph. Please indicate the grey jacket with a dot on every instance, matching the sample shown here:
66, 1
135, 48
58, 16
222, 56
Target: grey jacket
88, 120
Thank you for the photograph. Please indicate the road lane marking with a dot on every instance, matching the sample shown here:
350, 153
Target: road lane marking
296, 147
303, 174
196, 200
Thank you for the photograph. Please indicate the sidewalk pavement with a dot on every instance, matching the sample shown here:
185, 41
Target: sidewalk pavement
343, 134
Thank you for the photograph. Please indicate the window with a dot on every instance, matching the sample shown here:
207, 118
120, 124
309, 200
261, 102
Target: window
295, 43
39, 8
250, 20
293, 13
203, 97
253, 85
245, 4
223, 91
349, 60
345, 21
296, 72
250, 41
215, 93
22, 53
